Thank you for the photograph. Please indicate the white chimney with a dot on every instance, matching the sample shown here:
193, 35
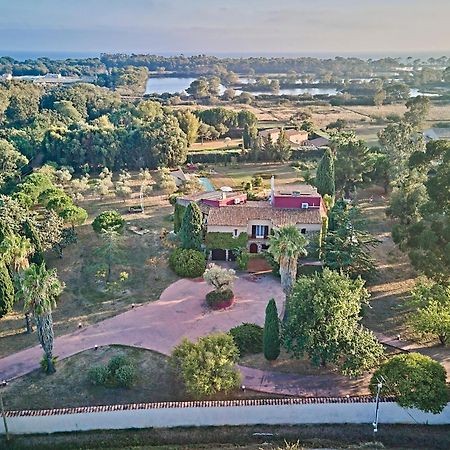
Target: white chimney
272, 190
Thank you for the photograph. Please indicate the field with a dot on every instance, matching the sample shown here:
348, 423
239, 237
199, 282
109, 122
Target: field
84, 300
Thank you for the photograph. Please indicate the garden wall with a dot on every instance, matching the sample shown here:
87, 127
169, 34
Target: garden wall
216, 413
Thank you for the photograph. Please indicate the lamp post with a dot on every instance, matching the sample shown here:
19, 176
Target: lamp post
2, 406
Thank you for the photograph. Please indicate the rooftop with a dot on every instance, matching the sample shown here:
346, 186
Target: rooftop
296, 189
213, 195
239, 215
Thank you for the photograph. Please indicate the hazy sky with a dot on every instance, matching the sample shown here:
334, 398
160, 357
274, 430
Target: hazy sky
229, 26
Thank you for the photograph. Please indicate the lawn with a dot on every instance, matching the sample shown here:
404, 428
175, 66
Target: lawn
220, 144
84, 301
70, 387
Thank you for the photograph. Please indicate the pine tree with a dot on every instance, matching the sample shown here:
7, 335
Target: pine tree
31, 233
271, 337
191, 229
325, 175
6, 291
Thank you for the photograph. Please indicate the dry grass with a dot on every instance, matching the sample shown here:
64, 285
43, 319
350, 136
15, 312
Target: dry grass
70, 387
215, 145
84, 301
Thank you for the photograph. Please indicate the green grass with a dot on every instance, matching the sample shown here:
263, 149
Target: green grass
399, 437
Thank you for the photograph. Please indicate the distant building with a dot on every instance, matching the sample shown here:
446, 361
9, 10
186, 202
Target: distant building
295, 137
180, 177
319, 142
434, 134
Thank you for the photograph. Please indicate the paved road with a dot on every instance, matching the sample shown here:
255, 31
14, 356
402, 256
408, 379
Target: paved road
160, 325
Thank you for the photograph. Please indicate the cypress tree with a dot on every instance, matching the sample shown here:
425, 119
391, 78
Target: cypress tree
271, 336
191, 229
178, 217
325, 175
6, 291
31, 233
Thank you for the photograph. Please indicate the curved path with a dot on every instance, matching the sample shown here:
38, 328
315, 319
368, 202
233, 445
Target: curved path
160, 325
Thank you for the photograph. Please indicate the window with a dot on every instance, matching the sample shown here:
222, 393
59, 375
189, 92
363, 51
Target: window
305, 205
260, 231
235, 232
303, 231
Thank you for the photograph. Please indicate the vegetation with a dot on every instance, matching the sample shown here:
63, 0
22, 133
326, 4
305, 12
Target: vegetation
191, 230
108, 221
207, 366
286, 245
187, 263
248, 337
119, 372
416, 381
6, 291
271, 337
222, 280
325, 175
323, 321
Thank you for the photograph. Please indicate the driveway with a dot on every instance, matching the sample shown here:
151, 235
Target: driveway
160, 325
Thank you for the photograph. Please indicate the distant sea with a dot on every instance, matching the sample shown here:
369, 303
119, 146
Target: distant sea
22, 55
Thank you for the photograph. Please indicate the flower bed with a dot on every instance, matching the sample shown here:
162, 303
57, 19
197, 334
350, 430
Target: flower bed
220, 299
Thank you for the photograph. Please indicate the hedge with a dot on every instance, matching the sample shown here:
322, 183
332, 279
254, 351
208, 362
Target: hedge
248, 338
219, 299
187, 263
225, 241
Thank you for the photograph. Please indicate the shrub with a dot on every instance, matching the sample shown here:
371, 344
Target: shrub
99, 375
416, 380
207, 366
119, 372
219, 299
242, 259
125, 376
187, 263
220, 278
44, 362
108, 220
248, 338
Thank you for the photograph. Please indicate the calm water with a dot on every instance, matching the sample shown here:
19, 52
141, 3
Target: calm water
174, 85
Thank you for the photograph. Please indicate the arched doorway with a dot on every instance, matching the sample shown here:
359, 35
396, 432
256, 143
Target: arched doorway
253, 248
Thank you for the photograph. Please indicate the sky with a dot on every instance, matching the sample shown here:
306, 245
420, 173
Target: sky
226, 26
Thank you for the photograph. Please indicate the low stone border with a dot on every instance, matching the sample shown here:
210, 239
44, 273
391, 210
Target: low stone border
197, 404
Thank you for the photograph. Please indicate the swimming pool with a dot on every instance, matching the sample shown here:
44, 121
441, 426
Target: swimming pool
207, 185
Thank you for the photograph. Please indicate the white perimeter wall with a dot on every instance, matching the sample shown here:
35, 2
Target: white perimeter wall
390, 413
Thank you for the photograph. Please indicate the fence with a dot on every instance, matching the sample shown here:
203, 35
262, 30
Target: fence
290, 411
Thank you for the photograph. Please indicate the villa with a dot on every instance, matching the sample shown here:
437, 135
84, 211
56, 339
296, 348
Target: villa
233, 222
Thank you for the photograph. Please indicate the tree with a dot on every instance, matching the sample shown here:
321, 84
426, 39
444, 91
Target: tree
418, 109
352, 166
6, 290
191, 230
178, 217
379, 97
199, 88
399, 141
108, 221
220, 278
110, 250
287, 245
416, 381
11, 161
15, 251
432, 315
325, 175
41, 288
282, 147
207, 366
31, 233
323, 321
74, 215
190, 125
347, 244
271, 336
249, 135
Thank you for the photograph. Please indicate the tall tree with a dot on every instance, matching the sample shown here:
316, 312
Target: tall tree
325, 175
418, 109
6, 290
11, 162
286, 245
41, 288
323, 315
191, 230
190, 124
271, 335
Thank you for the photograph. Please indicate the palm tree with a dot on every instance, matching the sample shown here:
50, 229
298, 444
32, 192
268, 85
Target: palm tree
286, 245
15, 251
40, 288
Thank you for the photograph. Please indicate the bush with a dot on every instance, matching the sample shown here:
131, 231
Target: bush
219, 299
119, 372
125, 376
242, 259
207, 366
108, 220
99, 375
248, 338
187, 263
